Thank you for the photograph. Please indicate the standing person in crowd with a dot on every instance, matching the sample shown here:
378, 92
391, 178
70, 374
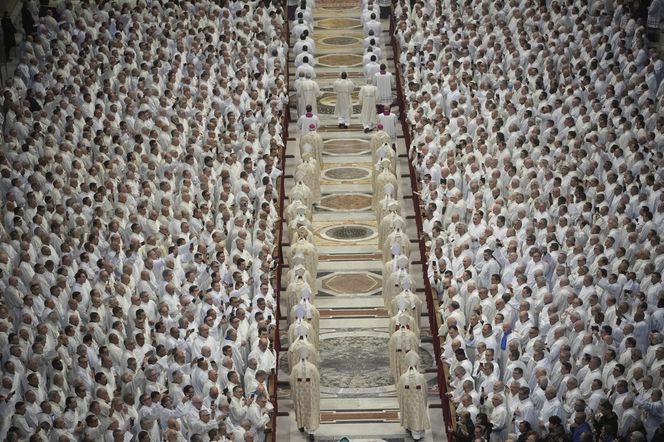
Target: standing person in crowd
8, 35
557, 185
137, 245
385, 8
654, 20
367, 98
343, 107
383, 80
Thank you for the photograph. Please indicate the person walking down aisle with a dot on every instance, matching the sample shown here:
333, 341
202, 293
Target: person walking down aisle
343, 108
367, 98
384, 81
349, 240
305, 388
308, 93
412, 392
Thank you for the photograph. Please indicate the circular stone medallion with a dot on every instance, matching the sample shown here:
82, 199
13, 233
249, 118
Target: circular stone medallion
345, 146
339, 283
346, 173
340, 41
338, 23
349, 232
349, 201
335, 60
329, 99
327, 102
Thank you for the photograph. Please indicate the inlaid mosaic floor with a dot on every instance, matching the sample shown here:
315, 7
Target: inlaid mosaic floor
346, 146
358, 396
346, 202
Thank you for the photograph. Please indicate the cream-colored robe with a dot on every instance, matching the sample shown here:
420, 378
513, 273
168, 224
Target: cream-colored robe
382, 209
394, 323
311, 335
384, 151
294, 352
300, 220
379, 138
311, 314
293, 292
310, 255
305, 393
308, 94
413, 309
291, 211
386, 225
290, 277
367, 98
382, 179
400, 343
309, 173
302, 192
316, 142
343, 107
412, 394
392, 285
399, 237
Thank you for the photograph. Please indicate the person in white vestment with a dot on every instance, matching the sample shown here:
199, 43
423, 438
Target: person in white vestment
122, 208
367, 98
343, 107
384, 81
308, 121
412, 394
389, 122
309, 92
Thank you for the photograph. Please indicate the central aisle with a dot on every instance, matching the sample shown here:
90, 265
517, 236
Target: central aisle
357, 392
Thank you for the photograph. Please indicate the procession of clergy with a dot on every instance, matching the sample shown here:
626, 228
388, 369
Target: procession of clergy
140, 218
405, 307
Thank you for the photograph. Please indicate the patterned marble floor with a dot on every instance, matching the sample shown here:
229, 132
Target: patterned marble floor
357, 394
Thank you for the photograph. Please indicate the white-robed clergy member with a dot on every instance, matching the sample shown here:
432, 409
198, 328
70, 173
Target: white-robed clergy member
400, 343
302, 340
389, 195
305, 309
309, 92
379, 138
397, 236
412, 395
307, 249
343, 107
392, 281
308, 121
387, 223
384, 176
308, 172
498, 418
386, 152
412, 301
383, 81
389, 122
313, 138
305, 393
367, 98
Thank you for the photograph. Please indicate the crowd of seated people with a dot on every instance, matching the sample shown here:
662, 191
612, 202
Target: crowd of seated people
537, 134
138, 178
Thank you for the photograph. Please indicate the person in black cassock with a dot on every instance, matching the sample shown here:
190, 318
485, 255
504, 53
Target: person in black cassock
8, 34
